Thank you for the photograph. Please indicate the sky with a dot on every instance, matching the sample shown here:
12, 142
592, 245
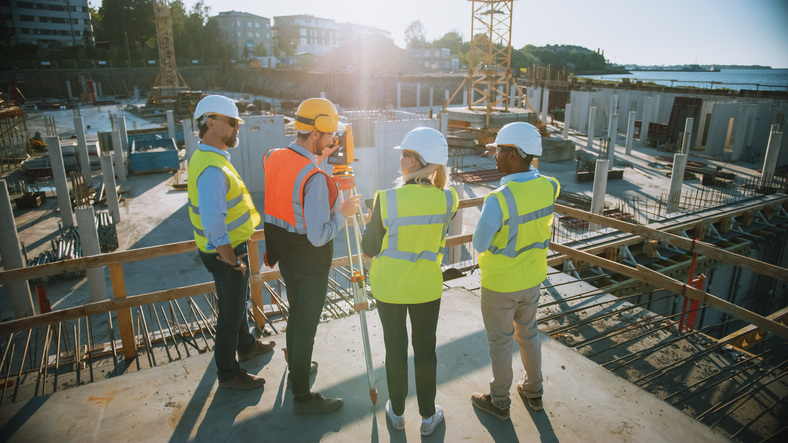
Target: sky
668, 32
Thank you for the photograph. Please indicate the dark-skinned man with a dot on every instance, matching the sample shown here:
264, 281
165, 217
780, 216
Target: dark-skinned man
223, 218
302, 216
513, 236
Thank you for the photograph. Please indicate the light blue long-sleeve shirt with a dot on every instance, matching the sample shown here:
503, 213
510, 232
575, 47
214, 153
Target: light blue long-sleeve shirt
322, 222
491, 219
212, 189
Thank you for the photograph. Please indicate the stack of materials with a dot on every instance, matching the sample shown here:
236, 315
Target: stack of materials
107, 234
66, 246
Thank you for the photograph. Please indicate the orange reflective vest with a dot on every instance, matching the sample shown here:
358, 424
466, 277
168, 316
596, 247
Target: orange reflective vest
286, 174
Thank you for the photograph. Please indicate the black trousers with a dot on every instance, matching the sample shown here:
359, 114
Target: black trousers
424, 323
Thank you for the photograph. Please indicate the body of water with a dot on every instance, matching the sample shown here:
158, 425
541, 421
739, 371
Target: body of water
761, 79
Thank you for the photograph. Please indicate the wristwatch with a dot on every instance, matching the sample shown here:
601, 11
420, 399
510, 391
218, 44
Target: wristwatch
237, 261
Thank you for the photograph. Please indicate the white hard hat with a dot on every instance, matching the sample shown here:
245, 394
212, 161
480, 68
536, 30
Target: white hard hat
524, 136
429, 143
216, 104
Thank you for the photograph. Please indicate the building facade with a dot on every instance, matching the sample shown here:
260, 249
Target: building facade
244, 33
295, 34
48, 22
437, 59
350, 32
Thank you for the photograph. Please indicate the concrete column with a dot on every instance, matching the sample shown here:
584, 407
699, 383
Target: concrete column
613, 135
88, 237
600, 188
567, 114
645, 121
82, 149
68, 89
465, 98
171, 123
136, 93
124, 135
591, 127
322, 95
418, 94
545, 101
109, 187
59, 177
455, 226
21, 300
631, 131
676, 181
100, 92
120, 164
188, 139
399, 95
512, 97
431, 97
446, 98
686, 144
772, 154
445, 124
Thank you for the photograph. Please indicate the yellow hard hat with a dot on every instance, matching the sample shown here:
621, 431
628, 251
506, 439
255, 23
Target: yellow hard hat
317, 113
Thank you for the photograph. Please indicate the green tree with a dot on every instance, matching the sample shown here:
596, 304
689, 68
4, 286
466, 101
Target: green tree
415, 36
260, 50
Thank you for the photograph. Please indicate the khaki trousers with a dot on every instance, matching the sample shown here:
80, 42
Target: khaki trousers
509, 315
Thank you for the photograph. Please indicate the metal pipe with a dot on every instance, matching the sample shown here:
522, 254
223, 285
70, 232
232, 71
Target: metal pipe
590, 320
147, 337
747, 396
57, 356
111, 333
161, 331
77, 354
571, 311
172, 335
7, 374
199, 324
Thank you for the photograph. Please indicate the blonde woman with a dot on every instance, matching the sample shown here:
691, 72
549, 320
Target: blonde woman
407, 238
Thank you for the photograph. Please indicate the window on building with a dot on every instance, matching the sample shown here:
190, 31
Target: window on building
248, 24
27, 18
239, 34
238, 23
267, 35
249, 44
256, 25
56, 8
257, 34
58, 20
302, 32
303, 40
26, 5
249, 34
65, 33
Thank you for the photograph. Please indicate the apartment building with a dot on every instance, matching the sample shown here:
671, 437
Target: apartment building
243, 32
48, 22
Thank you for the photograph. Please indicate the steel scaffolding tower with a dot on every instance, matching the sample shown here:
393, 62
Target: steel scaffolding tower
168, 77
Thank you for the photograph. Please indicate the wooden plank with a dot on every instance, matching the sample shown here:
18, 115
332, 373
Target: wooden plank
124, 314
98, 261
655, 278
749, 335
680, 242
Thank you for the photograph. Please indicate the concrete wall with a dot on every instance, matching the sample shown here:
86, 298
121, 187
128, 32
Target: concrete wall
260, 134
378, 166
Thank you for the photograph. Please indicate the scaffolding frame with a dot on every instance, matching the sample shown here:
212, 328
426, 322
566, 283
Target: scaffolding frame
168, 77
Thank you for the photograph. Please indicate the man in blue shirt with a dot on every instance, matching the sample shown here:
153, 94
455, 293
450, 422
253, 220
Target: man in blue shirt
223, 217
513, 236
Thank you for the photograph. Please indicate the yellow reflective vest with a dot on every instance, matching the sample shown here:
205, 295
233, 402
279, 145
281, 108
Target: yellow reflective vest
517, 258
408, 268
242, 217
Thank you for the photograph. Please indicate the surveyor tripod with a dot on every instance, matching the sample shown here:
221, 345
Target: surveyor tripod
346, 184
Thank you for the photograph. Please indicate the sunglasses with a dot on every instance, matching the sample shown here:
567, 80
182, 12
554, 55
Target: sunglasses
231, 121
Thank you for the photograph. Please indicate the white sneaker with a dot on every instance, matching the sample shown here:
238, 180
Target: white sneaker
397, 421
428, 426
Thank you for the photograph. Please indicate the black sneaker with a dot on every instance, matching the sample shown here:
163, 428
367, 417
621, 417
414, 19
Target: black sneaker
317, 405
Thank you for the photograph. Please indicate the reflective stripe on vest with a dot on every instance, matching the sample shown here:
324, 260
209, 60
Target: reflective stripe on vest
241, 218
286, 174
408, 268
517, 258
392, 223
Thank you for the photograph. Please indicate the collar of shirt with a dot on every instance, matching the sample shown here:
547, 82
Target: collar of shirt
521, 176
303, 151
209, 148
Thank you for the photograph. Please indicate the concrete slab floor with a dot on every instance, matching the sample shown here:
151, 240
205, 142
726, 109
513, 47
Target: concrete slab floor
180, 401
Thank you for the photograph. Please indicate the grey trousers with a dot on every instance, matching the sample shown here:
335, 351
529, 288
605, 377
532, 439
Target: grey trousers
507, 316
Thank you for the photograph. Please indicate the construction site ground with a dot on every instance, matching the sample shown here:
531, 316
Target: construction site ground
181, 401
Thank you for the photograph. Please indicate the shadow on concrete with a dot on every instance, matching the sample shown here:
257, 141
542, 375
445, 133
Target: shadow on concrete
20, 418
542, 421
501, 431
